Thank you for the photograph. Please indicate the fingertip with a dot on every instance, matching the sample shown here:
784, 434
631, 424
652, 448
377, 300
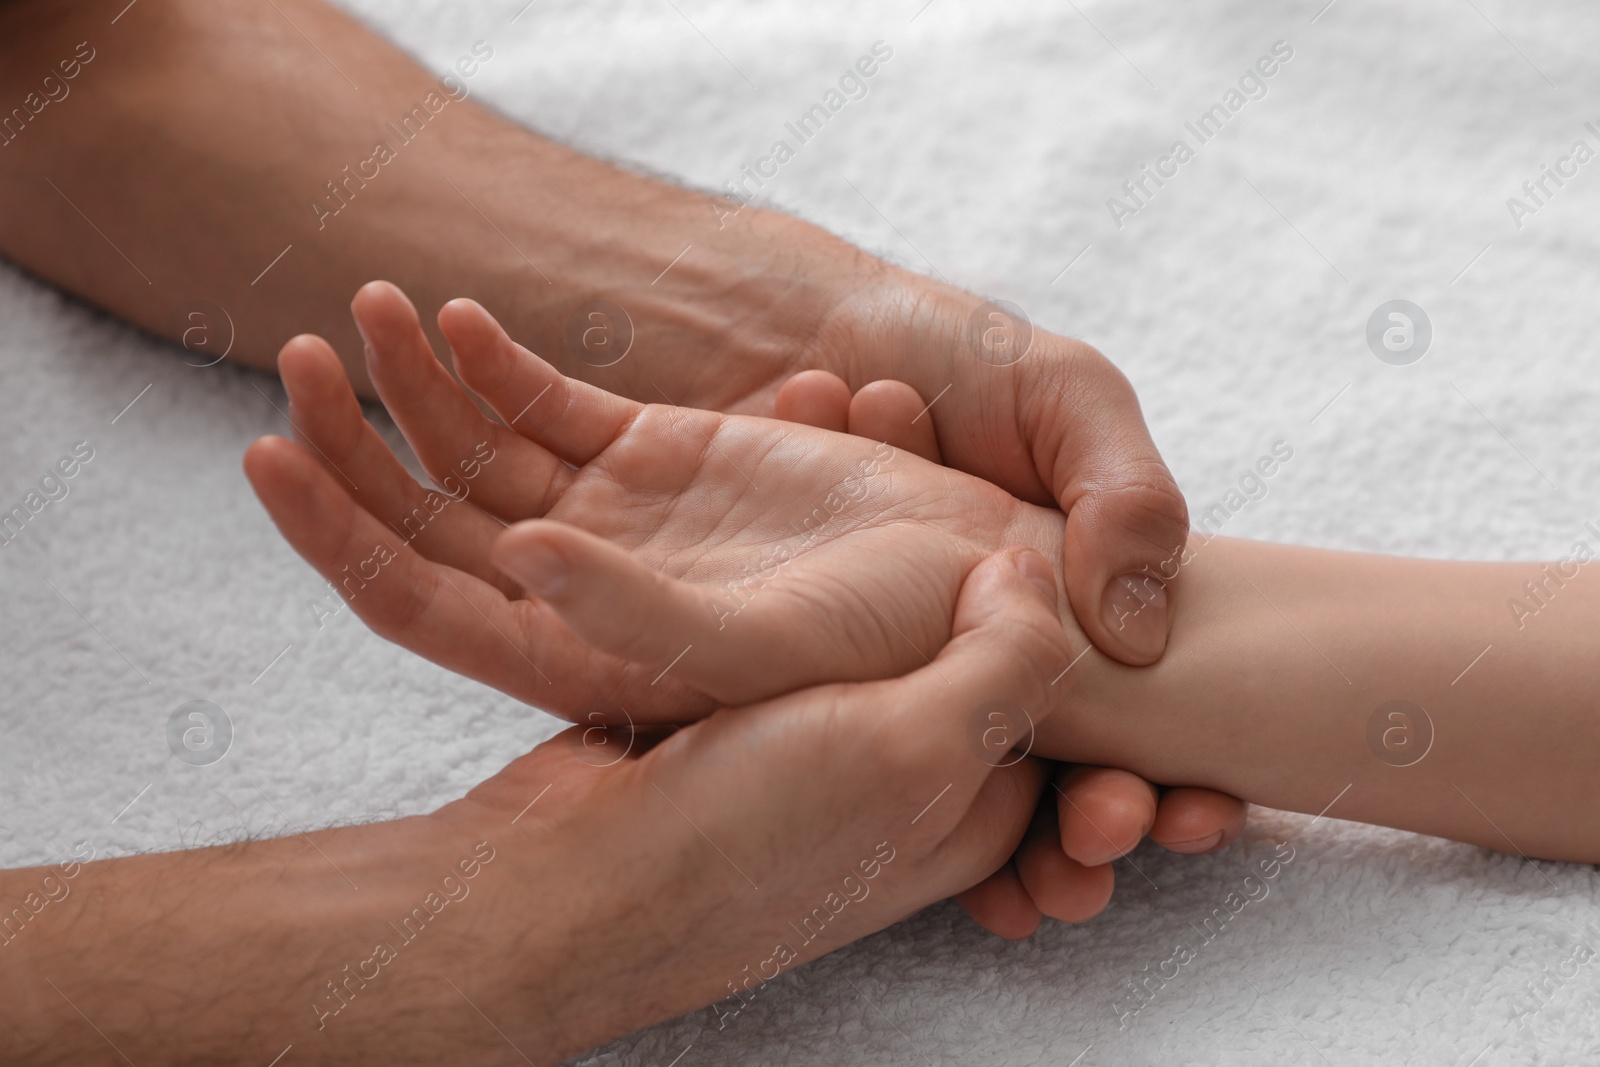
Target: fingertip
1001, 905
988, 587
265, 455
893, 412
378, 295
815, 398
479, 346
530, 553
1124, 549
1011, 571
387, 320
516, 537
470, 319
278, 470
1104, 813
1060, 886
302, 346
462, 312
1037, 571
307, 364
1195, 821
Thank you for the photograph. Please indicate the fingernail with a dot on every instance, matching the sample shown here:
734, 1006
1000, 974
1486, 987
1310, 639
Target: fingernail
1134, 609
1101, 857
541, 569
1033, 567
1191, 848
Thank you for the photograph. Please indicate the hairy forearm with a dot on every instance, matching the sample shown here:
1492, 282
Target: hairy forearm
343, 944
1283, 663
204, 139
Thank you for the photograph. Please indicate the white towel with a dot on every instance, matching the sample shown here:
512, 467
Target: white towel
1374, 164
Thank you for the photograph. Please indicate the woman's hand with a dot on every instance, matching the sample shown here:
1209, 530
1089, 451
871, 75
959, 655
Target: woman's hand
808, 556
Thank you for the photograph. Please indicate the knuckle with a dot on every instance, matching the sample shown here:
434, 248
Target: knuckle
1137, 499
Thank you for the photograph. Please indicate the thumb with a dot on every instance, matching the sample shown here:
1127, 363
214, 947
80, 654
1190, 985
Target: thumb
1127, 523
975, 706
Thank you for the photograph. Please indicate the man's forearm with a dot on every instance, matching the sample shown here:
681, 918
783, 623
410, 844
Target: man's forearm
1401, 692
370, 944
203, 141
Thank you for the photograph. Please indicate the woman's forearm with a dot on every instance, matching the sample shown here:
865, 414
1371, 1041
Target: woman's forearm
1408, 693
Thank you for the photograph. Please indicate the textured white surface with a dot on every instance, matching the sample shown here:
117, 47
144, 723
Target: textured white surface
987, 148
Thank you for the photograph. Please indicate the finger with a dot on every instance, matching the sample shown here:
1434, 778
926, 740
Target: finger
1007, 644
1001, 905
1126, 520
894, 412
573, 420
1060, 886
451, 436
815, 398
445, 615
607, 596
328, 420
1193, 821
1104, 813
976, 856
620, 605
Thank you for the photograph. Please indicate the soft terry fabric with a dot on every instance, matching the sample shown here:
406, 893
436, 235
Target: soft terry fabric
1374, 164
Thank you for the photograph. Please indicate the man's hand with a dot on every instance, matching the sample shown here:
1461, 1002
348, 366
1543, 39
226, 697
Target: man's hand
764, 836
1045, 417
165, 145
594, 886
